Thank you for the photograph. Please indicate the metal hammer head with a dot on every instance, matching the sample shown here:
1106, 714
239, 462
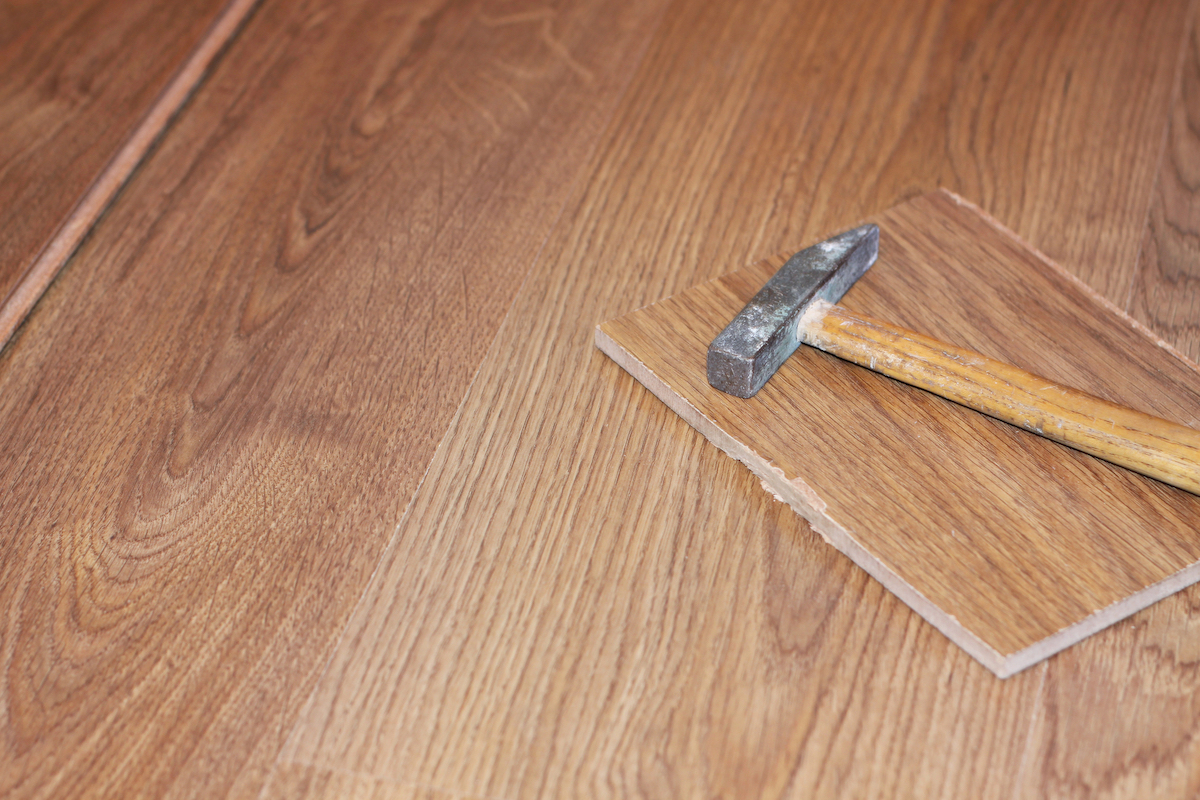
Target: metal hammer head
746, 354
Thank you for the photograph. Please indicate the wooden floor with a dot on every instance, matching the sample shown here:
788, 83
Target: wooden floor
313, 484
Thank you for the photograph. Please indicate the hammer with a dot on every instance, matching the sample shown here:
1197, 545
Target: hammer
797, 306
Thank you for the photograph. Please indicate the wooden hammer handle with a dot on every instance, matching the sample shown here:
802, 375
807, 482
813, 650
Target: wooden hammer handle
1140, 442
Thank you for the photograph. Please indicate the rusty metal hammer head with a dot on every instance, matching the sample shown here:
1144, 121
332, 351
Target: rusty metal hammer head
746, 354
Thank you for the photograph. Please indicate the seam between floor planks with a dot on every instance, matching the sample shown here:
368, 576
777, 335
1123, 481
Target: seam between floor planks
84, 215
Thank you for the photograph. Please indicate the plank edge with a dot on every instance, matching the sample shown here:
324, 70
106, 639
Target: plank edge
1099, 620
62, 244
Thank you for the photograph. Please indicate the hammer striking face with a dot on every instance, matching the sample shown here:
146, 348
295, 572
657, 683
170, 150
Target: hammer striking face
746, 354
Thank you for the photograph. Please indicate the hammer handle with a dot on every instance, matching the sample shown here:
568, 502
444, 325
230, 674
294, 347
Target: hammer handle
1134, 440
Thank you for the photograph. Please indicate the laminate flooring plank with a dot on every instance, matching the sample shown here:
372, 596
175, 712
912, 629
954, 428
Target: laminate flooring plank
222, 408
85, 89
585, 598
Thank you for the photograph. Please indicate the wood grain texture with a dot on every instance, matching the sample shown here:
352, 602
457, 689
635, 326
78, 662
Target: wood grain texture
586, 599
217, 415
1050, 116
299, 781
1013, 546
85, 89
1165, 292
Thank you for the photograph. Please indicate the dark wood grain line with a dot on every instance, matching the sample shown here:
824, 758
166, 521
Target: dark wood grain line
1165, 293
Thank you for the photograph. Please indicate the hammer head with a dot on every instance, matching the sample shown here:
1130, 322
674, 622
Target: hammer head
746, 354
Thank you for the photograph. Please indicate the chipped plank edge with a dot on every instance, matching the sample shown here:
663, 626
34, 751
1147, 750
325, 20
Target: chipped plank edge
67, 238
805, 502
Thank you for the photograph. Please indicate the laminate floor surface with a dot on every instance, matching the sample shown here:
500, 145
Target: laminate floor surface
313, 484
